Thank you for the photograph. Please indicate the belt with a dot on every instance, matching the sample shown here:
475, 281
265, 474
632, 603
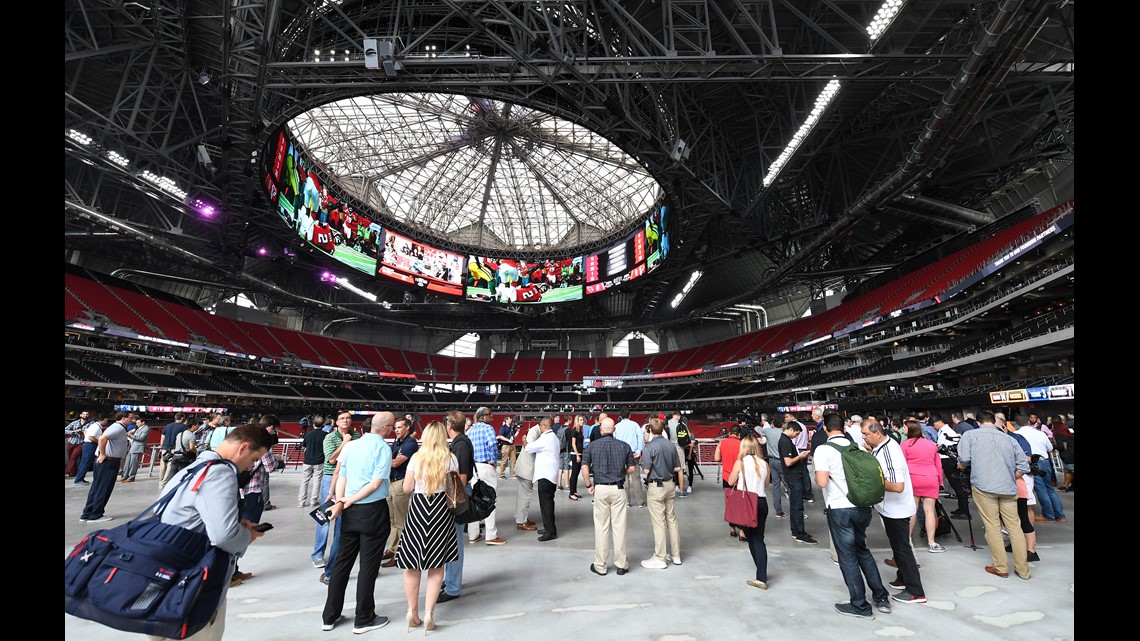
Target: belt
605, 483
659, 482
486, 462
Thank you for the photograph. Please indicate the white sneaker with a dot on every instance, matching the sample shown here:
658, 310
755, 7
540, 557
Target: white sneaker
654, 564
98, 520
935, 547
675, 559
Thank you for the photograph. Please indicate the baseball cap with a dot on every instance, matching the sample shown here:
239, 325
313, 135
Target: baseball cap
855, 418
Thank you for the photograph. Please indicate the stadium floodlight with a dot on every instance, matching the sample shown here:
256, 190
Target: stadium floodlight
343, 282
821, 102
693, 278
328, 277
204, 207
79, 137
163, 183
262, 251
118, 158
883, 18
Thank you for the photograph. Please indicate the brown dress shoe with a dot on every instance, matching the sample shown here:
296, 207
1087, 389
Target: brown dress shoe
524, 526
390, 563
992, 570
530, 522
388, 554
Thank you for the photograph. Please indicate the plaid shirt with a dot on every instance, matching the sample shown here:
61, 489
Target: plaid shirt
261, 469
484, 442
77, 424
608, 459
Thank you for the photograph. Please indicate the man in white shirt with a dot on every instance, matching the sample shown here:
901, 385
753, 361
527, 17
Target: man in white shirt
853, 428
896, 509
545, 451
848, 526
632, 435
1040, 445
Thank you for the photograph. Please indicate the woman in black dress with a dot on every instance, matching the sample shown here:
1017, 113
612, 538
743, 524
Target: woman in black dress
428, 540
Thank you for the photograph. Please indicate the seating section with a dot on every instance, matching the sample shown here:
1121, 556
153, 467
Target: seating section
155, 314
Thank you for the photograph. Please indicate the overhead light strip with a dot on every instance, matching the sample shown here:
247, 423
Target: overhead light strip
693, 278
821, 102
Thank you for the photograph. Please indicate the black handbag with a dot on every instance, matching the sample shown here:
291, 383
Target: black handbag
481, 503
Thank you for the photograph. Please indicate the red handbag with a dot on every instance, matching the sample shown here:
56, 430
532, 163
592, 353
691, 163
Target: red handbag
740, 506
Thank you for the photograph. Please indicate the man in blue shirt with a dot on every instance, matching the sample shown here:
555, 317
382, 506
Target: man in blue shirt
169, 438
486, 448
996, 462
361, 485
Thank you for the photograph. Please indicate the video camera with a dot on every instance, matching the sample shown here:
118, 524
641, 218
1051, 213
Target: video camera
1034, 468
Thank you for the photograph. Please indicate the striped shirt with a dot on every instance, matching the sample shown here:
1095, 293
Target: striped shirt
331, 442
993, 457
895, 505
483, 441
608, 459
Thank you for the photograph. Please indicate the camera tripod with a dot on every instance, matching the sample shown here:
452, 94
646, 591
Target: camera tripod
967, 493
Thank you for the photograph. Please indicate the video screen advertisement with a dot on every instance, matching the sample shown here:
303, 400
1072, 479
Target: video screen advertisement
415, 263
656, 236
508, 280
315, 212
619, 264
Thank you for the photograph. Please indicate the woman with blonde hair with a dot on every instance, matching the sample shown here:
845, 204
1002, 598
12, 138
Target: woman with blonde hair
428, 540
750, 472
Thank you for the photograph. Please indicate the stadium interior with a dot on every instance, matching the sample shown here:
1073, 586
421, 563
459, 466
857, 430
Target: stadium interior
723, 207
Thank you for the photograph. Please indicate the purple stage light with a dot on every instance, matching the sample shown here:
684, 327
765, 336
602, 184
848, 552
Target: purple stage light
207, 211
262, 251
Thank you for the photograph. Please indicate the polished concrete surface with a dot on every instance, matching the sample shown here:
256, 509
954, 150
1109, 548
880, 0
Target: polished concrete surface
526, 588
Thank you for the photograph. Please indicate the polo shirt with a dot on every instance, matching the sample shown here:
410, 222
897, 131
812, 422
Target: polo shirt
787, 449
729, 450
828, 459
608, 459
659, 459
406, 446
363, 461
895, 505
464, 455
332, 441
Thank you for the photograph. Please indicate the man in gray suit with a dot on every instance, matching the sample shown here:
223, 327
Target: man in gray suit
524, 470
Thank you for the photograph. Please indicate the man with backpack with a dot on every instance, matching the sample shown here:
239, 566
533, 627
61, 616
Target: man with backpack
851, 486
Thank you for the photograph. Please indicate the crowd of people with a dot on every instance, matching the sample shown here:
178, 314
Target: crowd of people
383, 492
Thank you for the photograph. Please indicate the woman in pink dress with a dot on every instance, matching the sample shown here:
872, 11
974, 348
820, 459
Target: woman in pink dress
925, 476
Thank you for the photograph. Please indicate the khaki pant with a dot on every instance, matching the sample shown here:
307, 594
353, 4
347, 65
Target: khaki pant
508, 458
164, 469
609, 521
661, 501
397, 512
997, 509
522, 500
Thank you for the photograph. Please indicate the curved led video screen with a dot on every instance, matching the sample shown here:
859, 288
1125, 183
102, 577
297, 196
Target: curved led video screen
422, 265
508, 280
322, 216
313, 211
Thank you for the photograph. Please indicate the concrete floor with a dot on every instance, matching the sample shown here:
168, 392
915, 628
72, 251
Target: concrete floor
527, 588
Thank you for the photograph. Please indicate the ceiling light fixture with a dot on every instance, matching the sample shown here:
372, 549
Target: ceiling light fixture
693, 278
821, 102
883, 18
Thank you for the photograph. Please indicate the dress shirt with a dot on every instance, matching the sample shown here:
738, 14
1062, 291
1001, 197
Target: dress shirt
993, 457
545, 451
483, 440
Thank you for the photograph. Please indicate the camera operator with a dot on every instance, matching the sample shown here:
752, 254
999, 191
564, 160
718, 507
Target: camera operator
947, 450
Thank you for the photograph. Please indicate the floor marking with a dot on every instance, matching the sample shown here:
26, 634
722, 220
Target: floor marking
975, 591
894, 631
1011, 619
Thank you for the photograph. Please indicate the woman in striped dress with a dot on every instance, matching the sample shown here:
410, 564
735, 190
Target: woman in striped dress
428, 540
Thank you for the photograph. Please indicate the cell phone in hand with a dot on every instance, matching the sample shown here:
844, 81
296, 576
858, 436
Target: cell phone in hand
263, 527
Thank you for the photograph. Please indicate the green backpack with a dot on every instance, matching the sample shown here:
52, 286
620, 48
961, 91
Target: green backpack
865, 485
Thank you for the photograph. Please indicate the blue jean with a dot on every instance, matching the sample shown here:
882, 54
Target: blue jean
102, 484
323, 533
252, 507
86, 460
1046, 495
453, 572
848, 527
